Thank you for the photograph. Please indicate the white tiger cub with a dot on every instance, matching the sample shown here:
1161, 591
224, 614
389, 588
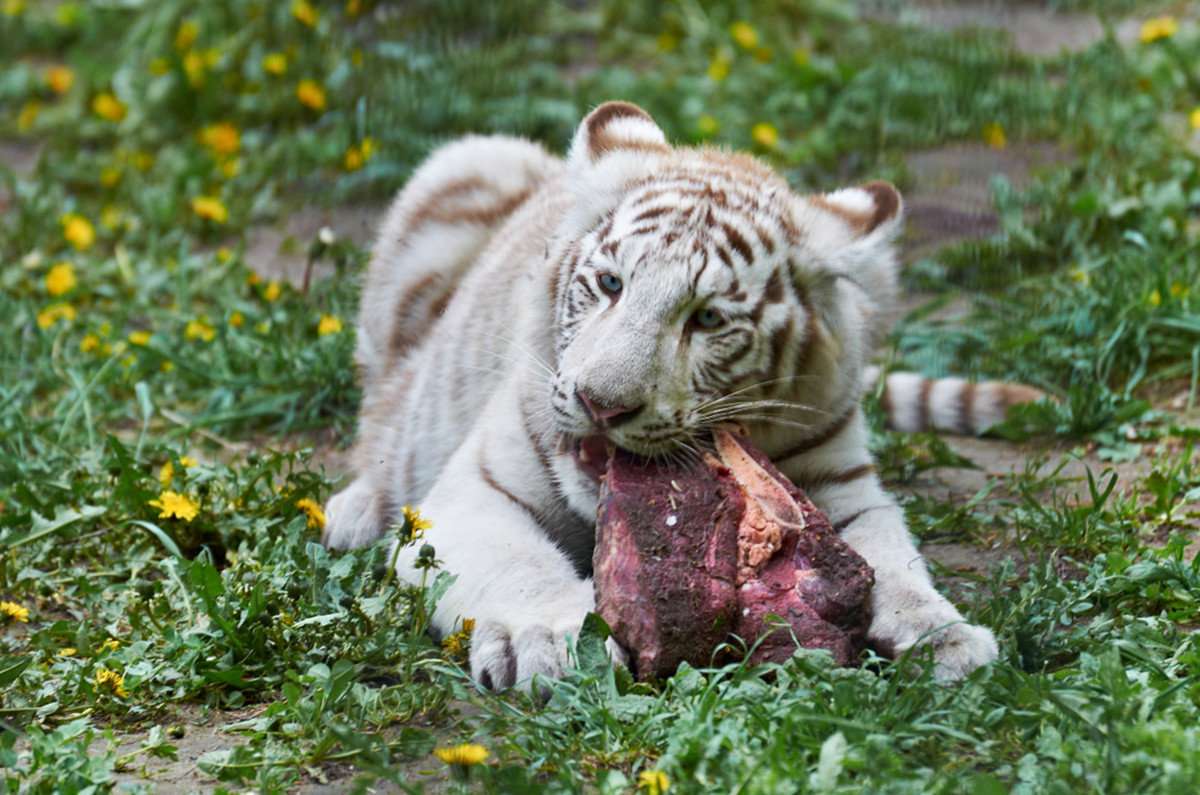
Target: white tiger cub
519, 313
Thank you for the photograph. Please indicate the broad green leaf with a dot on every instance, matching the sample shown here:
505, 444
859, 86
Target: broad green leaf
11, 668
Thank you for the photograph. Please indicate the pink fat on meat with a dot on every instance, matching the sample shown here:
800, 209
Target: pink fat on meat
691, 557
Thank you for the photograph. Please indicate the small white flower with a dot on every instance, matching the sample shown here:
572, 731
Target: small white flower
326, 236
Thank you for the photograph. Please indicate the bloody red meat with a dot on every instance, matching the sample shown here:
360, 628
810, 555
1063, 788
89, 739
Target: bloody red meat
689, 555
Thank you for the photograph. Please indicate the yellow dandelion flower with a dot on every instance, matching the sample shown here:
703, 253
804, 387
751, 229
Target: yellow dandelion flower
89, 343
1154, 299
316, 516
193, 66
653, 782
367, 147
237, 320
199, 329
353, 159
274, 63
111, 682
231, 167
263, 327
718, 70
66, 14
112, 644
60, 79
13, 613
188, 461
210, 208
1078, 274
1194, 118
140, 337
69, 651
112, 217
109, 177
166, 366
456, 643
252, 279
413, 515
273, 290
453, 644
744, 34
310, 94
993, 136
304, 12
1158, 28
224, 254
78, 231
329, 324
60, 279
765, 135
464, 755
107, 106
173, 505
166, 474
12, 8
1179, 291
54, 313
159, 67
221, 137
28, 115
185, 37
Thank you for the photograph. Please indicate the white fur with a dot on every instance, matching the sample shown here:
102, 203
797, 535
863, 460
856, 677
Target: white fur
455, 422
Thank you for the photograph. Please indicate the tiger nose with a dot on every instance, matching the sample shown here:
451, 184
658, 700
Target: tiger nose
605, 416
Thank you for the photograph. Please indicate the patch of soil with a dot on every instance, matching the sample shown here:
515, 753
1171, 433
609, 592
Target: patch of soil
280, 250
950, 197
208, 730
1032, 28
20, 158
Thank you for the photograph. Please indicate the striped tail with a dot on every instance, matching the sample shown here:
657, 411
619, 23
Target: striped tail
913, 403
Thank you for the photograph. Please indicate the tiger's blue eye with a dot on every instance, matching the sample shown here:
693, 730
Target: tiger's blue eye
609, 283
709, 319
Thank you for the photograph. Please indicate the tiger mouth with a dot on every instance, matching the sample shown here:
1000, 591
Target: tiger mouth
591, 454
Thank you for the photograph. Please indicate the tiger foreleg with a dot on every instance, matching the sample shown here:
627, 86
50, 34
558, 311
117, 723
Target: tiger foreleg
354, 516
907, 611
522, 591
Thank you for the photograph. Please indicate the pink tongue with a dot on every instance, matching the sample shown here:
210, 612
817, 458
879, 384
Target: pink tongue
592, 456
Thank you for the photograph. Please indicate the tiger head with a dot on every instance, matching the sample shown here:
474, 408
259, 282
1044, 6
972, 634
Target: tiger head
697, 288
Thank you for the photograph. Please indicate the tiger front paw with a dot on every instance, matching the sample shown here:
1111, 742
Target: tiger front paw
353, 517
958, 647
508, 654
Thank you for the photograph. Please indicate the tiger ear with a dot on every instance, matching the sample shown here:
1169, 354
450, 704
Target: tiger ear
857, 245
616, 145
873, 208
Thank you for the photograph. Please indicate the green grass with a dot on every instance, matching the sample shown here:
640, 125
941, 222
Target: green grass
164, 347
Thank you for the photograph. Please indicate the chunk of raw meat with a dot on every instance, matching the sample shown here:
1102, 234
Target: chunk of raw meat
689, 555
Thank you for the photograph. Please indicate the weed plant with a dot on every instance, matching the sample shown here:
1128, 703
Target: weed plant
160, 497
